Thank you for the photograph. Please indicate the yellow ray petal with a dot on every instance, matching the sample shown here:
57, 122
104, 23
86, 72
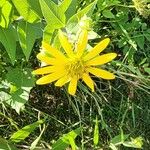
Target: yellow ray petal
45, 70
62, 81
101, 73
50, 78
49, 60
97, 49
73, 86
82, 42
52, 51
46, 59
65, 43
89, 82
99, 60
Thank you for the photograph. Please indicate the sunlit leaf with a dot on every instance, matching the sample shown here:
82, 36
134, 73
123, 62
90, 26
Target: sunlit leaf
23, 133
52, 14
96, 133
5, 14
135, 143
147, 70
20, 83
2, 2
24, 8
48, 33
87, 10
66, 140
65, 5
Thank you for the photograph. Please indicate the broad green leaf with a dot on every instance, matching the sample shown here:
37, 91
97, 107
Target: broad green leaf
65, 5
66, 140
25, 10
5, 14
140, 40
60, 144
5, 145
27, 34
35, 5
20, 77
96, 133
147, 34
119, 139
147, 70
108, 14
72, 9
21, 82
48, 33
8, 38
18, 98
2, 2
87, 10
53, 14
23, 133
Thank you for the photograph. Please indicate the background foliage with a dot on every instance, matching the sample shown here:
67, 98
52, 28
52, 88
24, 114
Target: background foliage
116, 116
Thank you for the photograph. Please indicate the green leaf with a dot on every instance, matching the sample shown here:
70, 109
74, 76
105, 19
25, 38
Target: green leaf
25, 10
2, 2
5, 145
140, 40
147, 70
35, 5
20, 83
135, 143
27, 34
147, 35
72, 9
96, 133
53, 14
48, 33
5, 14
102, 4
8, 38
20, 77
66, 140
119, 139
23, 133
87, 10
65, 5
108, 14
59, 145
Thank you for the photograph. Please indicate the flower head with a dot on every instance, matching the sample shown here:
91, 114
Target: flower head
74, 64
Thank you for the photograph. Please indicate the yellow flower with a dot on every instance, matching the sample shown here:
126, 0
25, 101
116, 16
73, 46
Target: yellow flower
76, 63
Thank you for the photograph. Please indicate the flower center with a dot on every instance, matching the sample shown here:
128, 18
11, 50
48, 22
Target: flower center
75, 67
